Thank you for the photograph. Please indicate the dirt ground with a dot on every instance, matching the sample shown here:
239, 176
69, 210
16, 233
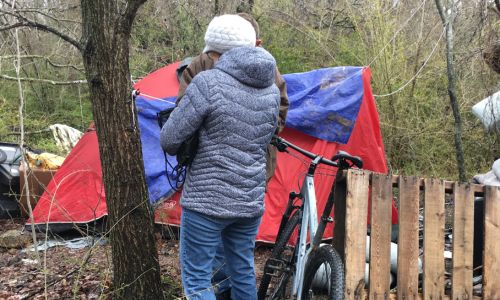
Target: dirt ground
63, 275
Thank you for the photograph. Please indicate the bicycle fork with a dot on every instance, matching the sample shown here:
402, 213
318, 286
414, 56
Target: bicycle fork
310, 220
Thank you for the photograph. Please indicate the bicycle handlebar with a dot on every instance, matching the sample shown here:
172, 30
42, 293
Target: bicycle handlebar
311, 155
340, 158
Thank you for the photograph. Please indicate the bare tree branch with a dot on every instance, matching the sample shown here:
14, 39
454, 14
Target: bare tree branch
12, 26
52, 82
81, 69
54, 31
300, 27
55, 65
47, 15
448, 20
21, 142
35, 11
440, 9
25, 22
7, 3
130, 11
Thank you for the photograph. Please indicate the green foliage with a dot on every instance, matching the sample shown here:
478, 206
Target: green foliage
347, 52
149, 44
286, 47
157, 41
63, 106
8, 111
395, 42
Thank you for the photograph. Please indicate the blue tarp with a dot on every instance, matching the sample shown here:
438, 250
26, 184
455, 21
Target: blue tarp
323, 103
154, 159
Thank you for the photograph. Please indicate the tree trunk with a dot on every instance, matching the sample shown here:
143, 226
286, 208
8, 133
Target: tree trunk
492, 55
448, 19
216, 8
245, 7
105, 44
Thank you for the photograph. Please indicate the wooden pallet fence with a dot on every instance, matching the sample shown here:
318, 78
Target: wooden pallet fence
381, 188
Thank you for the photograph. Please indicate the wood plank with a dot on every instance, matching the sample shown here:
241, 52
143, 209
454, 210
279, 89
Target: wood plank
408, 238
477, 189
380, 236
433, 239
491, 272
339, 215
393, 296
463, 241
355, 243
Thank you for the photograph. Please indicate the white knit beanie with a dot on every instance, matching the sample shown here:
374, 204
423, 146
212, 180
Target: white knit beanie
228, 31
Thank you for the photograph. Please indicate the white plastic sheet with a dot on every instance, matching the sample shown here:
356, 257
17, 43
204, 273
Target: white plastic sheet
488, 111
76, 243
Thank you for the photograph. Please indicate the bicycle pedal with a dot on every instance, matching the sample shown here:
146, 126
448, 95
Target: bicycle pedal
274, 263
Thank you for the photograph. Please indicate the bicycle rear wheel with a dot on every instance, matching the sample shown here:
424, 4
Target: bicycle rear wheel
324, 275
280, 266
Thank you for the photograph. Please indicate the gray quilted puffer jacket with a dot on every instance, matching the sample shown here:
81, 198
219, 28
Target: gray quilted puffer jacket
235, 108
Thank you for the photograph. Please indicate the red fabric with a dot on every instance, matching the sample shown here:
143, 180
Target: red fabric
76, 193
365, 141
162, 83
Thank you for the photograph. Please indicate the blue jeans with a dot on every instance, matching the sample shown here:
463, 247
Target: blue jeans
220, 280
201, 235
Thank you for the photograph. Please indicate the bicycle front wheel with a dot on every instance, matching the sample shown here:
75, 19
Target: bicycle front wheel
279, 267
324, 275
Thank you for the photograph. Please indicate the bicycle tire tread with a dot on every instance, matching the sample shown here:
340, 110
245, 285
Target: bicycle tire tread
325, 254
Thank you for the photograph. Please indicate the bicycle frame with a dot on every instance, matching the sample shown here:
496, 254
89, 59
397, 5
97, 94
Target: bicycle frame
309, 224
310, 220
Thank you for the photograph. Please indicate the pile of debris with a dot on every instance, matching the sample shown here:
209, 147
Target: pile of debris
24, 172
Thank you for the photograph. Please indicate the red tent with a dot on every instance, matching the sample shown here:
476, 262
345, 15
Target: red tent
365, 141
76, 193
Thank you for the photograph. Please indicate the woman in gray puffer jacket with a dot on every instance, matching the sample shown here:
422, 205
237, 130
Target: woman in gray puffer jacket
234, 107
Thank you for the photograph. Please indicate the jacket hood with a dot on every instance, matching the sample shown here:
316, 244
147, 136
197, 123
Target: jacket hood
252, 66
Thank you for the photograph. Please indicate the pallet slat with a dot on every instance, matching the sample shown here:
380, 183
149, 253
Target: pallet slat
434, 216
408, 238
463, 241
448, 185
380, 236
408, 241
355, 243
393, 296
491, 272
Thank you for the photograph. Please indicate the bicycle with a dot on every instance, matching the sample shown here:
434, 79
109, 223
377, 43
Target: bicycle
315, 268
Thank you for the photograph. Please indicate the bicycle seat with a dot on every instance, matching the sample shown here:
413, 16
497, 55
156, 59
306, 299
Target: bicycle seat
346, 160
